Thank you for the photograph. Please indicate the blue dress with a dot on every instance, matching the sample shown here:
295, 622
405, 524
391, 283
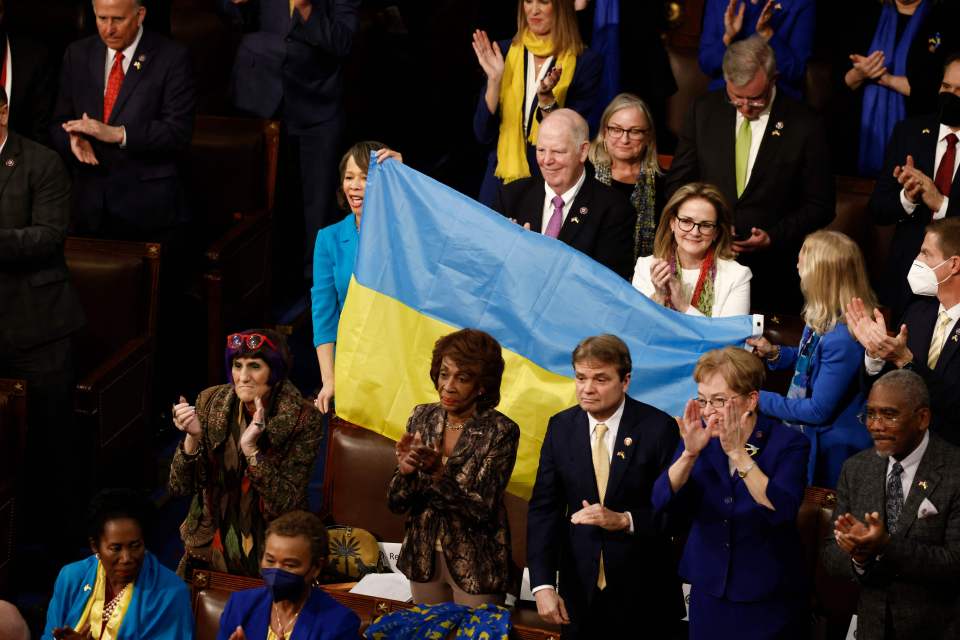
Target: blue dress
792, 41
742, 560
159, 609
334, 257
321, 618
828, 413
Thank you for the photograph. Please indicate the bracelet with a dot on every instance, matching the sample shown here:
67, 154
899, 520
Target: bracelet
775, 357
743, 474
252, 459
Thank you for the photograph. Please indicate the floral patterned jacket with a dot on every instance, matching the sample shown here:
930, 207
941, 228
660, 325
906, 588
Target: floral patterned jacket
233, 502
463, 504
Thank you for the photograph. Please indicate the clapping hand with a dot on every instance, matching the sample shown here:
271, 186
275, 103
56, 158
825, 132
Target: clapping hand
248, 440
695, 434
599, 516
82, 149
488, 55
862, 540
871, 333
870, 67
917, 185
185, 418
730, 431
545, 90
666, 284
414, 455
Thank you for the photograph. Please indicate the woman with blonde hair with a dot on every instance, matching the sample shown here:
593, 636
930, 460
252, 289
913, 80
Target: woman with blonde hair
824, 399
624, 156
692, 269
544, 67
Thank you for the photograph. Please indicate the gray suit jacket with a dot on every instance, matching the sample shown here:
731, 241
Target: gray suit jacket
37, 303
918, 575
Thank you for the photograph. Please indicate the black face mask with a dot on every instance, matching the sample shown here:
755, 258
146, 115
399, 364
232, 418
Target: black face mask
949, 105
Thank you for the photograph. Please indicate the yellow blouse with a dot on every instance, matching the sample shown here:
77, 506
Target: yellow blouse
272, 636
92, 617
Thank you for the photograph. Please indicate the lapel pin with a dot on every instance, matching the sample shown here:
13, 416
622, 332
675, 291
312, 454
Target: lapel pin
87, 587
583, 211
142, 57
621, 455
922, 484
779, 125
627, 442
954, 338
925, 131
137, 65
775, 132
575, 220
10, 162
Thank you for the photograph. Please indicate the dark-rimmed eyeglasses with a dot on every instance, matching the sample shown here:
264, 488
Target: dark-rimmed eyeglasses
687, 224
250, 341
888, 418
632, 134
716, 403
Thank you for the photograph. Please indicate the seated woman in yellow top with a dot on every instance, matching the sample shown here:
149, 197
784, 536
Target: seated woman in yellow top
121, 592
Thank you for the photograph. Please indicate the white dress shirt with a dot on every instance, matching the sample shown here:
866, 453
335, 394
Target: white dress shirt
875, 365
125, 63
8, 63
533, 83
568, 198
3, 143
910, 465
908, 206
757, 128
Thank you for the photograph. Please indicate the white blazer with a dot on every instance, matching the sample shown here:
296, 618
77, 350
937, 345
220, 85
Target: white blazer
731, 290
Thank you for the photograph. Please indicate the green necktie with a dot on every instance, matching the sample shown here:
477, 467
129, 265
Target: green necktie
744, 139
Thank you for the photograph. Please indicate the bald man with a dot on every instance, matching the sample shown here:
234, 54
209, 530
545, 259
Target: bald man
565, 203
12, 625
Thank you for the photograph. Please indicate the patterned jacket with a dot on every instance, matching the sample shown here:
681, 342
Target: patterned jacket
463, 505
233, 501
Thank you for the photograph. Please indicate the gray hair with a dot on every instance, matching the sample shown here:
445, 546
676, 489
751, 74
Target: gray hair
909, 385
12, 625
574, 123
598, 148
744, 57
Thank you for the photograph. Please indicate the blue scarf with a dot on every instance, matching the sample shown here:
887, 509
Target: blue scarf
800, 383
882, 107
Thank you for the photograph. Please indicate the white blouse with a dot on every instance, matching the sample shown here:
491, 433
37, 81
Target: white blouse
731, 290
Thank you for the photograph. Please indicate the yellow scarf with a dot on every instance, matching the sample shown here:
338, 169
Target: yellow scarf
511, 145
92, 617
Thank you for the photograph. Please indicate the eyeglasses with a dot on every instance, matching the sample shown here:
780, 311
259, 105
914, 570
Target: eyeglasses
252, 341
706, 228
632, 134
716, 403
888, 418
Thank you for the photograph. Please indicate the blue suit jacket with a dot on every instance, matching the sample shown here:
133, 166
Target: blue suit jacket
322, 617
289, 61
639, 567
159, 609
581, 96
334, 257
835, 398
736, 548
139, 184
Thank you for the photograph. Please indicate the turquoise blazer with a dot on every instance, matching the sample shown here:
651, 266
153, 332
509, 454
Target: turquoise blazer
159, 610
334, 257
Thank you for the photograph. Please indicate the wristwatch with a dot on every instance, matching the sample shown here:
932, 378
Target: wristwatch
743, 474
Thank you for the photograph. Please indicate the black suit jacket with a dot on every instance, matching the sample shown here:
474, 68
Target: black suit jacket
944, 380
138, 186
916, 137
916, 576
640, 568
32, 89
38, 303
600, 223
790, 192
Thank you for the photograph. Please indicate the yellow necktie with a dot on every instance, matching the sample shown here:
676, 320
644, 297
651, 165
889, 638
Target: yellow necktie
938, 339
742, 151
291, 8
601, 468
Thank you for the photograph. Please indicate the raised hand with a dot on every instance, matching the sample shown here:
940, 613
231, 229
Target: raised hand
383, 154
666, 284
550, 80
185, 418
488, 55
764, 29
695, 435
248, 440
733, 20
917, 185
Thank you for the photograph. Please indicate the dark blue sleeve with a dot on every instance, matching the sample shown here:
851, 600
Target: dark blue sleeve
544, 516
585, 84
711, 38
228, 620
793, 44
682, 502
172, 128
787, 481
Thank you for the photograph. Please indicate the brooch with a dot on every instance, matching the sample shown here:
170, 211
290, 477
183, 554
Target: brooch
752, 449
137, 65
922, 484
777, 128
925, 131
621, 455
627, 442
10, 162
933, 42
575, 220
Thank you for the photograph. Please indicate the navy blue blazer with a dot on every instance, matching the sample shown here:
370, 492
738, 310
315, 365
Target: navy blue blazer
736, 548
639, 566
322, 617
581, 97
289, 61
835, 398
138, 184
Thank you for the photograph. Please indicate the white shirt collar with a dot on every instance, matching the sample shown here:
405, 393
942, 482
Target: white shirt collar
569, 194
127, 53
910, 464
8, 63
953, 312
4, 142
945, 131
613, 422
764, 115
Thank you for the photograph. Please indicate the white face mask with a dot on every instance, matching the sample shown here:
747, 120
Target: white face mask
922, 279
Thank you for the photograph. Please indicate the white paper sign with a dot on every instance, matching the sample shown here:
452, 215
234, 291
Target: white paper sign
393, 586
390, 551
686, 600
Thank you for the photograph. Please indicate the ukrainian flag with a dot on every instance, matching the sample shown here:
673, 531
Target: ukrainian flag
432, 261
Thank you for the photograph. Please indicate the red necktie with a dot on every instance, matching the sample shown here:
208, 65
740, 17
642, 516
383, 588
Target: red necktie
3, 65
113, 86
944, 178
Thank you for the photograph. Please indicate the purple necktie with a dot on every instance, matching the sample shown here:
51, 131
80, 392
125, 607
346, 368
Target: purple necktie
556, 220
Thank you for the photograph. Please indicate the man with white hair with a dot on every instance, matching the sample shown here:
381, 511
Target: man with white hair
768, 155
12, 625
563, 204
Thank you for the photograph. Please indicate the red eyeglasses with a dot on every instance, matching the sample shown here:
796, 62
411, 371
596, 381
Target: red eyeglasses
252, 341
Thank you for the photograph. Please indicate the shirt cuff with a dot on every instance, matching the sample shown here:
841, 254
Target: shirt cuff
908, 206
123, 143
630, 518
942, 211
542, 587
872, 365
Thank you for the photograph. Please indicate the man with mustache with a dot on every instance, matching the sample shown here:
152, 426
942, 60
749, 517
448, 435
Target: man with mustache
897, 529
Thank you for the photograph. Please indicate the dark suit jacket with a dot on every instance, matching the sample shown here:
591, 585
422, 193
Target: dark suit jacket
322, 617
944, 380
738, 549
291, 62
139, 185
639, 567
38, 303
33, 89
790, 192
916, 137
600, 223
916, 575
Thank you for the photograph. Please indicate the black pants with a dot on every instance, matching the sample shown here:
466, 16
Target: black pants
610, 615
